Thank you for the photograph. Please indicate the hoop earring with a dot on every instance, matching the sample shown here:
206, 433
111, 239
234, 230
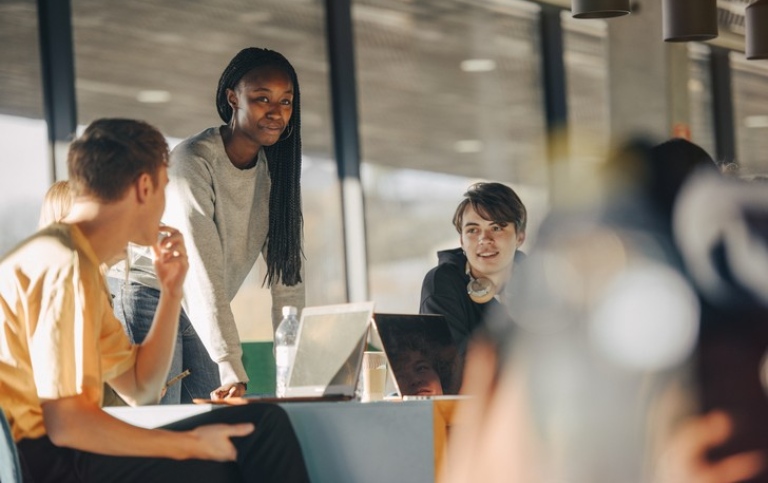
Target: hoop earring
480, 290
287, 133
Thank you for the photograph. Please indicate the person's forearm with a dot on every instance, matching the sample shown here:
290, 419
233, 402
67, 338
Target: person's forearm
75, 423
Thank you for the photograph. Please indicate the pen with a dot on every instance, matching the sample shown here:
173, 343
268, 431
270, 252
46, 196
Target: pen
176, 379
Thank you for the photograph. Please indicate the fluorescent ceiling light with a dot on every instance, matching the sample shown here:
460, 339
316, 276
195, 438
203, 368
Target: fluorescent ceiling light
468, 146
695, 85
153, 97
478, 65
756, 121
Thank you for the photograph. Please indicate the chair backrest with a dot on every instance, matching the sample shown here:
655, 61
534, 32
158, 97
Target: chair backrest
10, 468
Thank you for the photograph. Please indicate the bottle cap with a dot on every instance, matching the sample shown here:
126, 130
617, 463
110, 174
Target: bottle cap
289, 310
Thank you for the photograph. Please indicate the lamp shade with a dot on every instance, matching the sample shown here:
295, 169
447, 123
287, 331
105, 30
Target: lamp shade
599, 8
757, 30
689, 20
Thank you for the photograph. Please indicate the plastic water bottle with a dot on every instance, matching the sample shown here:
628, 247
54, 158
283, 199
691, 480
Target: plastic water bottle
285, 347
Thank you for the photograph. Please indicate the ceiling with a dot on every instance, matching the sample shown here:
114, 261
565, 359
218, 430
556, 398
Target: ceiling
417, 108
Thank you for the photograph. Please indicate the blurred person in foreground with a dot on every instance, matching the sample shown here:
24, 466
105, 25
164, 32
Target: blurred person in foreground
600, 382
721, 227
59, 339
468, 282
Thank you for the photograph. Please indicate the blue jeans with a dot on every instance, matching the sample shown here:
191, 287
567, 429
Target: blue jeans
135, 306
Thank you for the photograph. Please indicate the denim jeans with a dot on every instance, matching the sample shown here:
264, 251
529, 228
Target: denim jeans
135, 306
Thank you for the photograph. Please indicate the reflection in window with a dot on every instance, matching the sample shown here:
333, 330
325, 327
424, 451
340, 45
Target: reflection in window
585, 46
450, 92
700, 94
750, 114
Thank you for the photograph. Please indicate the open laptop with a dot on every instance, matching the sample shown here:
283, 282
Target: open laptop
329, 350
421, 354
329, 354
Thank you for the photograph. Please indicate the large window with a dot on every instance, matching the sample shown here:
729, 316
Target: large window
450, 92
161, 61
585, 45
750, 113
25, 171
700, 95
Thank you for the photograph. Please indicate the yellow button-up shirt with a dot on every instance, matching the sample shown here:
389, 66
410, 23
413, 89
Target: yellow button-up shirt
58, 334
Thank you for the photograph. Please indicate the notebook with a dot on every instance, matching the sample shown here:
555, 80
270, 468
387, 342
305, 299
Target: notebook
421, 354
329, 354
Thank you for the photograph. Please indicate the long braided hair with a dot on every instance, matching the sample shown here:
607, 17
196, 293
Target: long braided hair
284, 250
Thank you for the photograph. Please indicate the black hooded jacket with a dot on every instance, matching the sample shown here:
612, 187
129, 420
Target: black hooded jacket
444, 292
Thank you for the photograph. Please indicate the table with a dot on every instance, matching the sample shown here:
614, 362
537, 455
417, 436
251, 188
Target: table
378, 442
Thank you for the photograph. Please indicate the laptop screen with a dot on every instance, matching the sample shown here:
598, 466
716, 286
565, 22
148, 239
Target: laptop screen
329, 349
421, 353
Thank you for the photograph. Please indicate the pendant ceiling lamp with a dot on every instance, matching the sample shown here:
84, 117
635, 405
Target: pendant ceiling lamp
757, 30
689, 20
599, 8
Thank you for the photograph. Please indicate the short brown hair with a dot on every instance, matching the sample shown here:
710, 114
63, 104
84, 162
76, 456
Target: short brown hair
113, 153
494, 202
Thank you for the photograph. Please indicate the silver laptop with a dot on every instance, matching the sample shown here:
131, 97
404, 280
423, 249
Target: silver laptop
421, 354
329, 351
329, 355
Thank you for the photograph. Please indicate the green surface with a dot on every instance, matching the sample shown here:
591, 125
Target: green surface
260, 366
259, 363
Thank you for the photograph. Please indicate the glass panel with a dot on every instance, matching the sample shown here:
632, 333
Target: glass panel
700, 94
750, 114
450, 92
25, 171
585, 45
161, 61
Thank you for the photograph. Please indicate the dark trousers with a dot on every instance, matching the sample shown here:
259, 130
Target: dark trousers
270, 454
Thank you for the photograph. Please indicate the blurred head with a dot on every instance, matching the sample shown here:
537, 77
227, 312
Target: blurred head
672, 162
56, 203
112, 154
258, 95
656, 172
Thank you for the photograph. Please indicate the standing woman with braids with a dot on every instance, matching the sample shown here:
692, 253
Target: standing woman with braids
235, 194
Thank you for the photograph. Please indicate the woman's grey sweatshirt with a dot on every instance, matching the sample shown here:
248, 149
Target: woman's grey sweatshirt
223, 213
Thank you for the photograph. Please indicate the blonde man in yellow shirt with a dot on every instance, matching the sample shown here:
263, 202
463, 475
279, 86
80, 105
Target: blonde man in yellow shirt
59, 339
